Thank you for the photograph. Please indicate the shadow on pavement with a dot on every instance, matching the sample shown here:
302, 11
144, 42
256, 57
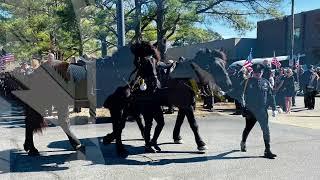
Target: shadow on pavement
95, 153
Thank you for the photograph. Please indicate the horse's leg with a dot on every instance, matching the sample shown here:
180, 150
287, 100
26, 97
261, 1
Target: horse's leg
194, 126
63, 117
176, 131
28, 143
93, 115
139, 123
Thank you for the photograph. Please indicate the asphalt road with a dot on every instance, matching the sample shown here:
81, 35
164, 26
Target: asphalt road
297, 149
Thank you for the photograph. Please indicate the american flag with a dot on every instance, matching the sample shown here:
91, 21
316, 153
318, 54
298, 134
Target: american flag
276, 62
248, 62
7, 57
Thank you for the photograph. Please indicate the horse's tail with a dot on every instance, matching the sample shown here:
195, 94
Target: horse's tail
34, 120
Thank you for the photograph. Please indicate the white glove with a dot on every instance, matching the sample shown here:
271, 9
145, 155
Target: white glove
222, 93
274, 113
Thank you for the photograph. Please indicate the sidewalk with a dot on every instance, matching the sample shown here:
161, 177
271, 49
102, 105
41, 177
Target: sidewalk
300, 116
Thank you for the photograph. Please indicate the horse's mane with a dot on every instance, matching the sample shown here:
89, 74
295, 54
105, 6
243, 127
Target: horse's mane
215, 53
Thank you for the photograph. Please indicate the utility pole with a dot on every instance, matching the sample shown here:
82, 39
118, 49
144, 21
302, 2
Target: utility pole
120, 24
292, 33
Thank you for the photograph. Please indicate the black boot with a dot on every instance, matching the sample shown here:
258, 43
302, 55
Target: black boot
202, 146
268, 154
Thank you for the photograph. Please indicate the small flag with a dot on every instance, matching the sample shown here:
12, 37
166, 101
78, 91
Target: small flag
248, 62
275, 62
7, 57
298, 61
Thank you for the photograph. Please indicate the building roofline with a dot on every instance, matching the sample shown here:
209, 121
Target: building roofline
287, 16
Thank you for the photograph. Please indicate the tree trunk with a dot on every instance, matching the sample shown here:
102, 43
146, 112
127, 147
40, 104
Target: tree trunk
138, 34
104, 48
161, 32
80, 41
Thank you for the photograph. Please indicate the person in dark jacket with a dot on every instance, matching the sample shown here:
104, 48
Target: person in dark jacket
256, 99
309, 81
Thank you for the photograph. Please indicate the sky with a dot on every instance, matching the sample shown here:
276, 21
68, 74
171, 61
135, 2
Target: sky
300, 6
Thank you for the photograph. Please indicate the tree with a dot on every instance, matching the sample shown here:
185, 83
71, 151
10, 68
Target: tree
193, 35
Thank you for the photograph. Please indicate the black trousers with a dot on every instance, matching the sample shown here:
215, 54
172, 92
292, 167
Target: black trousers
208, 101
238, 105
309, 99
182, 113
263, 119
149, 113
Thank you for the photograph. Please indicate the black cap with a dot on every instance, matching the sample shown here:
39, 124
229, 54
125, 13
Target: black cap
310, 66
258, 68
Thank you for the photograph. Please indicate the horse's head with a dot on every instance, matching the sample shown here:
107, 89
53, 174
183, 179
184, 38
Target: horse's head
142, 50
146, 57
214, 62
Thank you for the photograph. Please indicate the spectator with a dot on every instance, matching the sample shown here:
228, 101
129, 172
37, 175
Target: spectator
309, 80
288, 89
278, 89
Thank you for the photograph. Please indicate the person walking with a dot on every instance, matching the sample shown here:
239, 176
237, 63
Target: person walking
257, 97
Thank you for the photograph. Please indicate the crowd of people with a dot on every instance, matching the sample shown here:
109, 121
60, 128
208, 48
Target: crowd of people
286, 83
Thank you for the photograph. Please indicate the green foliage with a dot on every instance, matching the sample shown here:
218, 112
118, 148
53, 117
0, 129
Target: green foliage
192, 35
75, 27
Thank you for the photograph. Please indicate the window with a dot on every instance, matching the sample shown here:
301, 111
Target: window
297, 33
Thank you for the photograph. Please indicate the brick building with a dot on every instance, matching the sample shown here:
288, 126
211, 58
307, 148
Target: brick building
272, 35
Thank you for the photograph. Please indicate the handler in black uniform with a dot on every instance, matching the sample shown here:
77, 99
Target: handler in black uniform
257, 97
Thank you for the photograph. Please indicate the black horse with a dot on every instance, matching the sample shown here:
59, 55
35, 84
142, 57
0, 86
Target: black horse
179, 90
121, 107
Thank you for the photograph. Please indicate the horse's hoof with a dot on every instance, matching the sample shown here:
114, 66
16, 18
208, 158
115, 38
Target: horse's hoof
33, 152
108, 139
202, 148
149, 149
178, 141
26, 147
79, 147
156, 147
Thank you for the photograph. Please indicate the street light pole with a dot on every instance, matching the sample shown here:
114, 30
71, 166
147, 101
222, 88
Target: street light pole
120, 24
